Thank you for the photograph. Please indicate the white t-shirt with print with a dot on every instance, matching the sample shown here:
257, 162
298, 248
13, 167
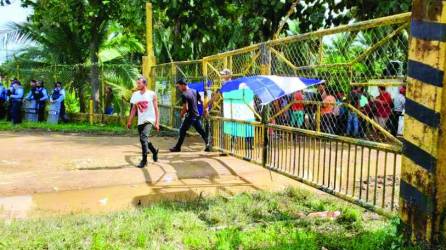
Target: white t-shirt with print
144, 104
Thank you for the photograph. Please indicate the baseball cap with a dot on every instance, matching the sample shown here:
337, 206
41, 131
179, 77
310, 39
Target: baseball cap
226, 72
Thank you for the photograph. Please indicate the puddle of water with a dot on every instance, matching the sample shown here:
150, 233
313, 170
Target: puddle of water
109, 199
15, 207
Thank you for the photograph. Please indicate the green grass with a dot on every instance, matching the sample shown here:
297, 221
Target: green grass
260, 220
81, 128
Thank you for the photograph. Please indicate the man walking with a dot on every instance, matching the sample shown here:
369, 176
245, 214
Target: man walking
190, 99
146, 103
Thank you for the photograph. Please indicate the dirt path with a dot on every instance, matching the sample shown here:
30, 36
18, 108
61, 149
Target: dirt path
32, 163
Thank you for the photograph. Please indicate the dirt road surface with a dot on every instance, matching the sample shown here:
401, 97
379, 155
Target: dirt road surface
66, 173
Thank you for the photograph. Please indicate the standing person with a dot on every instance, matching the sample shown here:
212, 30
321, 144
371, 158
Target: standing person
225, 76
353, 120
40, 95
297, 110
145, 103
327, 113
216, 97
398, 109
3, 97
340, 113
108, 101
41, 98
15, 99
58, 96
30, 94
384, 105
190, 99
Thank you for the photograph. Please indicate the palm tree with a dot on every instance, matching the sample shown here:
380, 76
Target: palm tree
61, 54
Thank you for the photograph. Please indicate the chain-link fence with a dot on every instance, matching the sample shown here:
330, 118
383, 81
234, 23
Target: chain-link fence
340, 136
363, 65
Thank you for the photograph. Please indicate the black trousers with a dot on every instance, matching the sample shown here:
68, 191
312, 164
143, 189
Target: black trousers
9, 111
392, 123
185, 126
41, 111
144, 133
2, 109
16, 115
62, 112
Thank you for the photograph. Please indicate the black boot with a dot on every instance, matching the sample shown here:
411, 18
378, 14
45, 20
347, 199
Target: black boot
175, 149
208, 148
143, 162
154, 152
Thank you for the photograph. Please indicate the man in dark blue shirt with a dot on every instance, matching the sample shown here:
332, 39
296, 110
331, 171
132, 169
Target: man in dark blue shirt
190, 99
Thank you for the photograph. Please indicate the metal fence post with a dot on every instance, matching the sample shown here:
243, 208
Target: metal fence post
265, 59
204, 70
173, 94
265, 69
91, 111
265, 112
318, 118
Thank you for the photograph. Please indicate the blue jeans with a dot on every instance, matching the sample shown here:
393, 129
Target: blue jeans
353, 124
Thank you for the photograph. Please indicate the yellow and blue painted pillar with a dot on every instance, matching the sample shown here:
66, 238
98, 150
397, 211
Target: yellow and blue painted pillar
423, 174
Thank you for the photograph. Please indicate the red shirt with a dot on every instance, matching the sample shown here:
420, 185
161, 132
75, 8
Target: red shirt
298, 106
384, 108
328, 105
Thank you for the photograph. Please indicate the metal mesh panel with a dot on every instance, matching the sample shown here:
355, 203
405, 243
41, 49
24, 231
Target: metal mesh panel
353, 65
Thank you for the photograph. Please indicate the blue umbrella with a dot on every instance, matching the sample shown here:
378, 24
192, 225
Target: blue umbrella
271, 88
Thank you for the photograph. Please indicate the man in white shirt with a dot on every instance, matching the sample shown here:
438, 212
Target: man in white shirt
146, 103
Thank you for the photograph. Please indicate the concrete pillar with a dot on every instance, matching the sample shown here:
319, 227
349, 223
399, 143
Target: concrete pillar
423, 176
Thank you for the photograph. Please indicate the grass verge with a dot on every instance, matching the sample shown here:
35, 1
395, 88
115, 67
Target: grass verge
260, 220
78, 128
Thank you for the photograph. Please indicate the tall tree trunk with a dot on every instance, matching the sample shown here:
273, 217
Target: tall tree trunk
94, 73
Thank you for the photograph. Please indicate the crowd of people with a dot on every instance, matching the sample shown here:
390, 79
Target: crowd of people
343, 114
13, 97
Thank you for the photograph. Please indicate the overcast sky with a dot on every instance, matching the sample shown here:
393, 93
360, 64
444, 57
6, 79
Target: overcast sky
11, 13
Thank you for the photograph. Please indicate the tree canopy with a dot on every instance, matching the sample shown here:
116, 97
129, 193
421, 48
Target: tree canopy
90, 33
